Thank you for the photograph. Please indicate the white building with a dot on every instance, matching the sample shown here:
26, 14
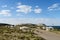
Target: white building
23, 27
47, 28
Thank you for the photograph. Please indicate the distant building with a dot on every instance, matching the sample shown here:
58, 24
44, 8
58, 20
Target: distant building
47, 28
23, 27
44, 28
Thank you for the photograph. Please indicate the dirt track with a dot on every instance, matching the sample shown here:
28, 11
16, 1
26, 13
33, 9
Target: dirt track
48, 35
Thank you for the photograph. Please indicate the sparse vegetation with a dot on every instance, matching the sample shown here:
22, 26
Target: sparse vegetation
56, 30
15, 34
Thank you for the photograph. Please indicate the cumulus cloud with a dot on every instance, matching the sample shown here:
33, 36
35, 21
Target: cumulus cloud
5, 12
37, 10
55, 6
27, 9
24, 8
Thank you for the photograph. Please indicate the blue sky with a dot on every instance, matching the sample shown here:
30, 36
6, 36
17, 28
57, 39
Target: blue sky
30, 11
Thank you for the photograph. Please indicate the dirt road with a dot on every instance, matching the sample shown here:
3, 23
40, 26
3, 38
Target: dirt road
48, 35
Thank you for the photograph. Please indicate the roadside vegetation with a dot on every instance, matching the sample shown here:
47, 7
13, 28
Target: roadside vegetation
56, 30
7, 33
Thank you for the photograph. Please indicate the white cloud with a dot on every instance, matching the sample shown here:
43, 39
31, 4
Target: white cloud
4, 6
37, 10
55, 6
5, 12
27, 9
24, 8
47, 21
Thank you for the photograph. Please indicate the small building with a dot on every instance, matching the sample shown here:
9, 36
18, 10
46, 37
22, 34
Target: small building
44, 28
48, 28
23, 27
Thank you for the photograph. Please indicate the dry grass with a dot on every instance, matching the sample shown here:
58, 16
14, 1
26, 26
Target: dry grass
14, 34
